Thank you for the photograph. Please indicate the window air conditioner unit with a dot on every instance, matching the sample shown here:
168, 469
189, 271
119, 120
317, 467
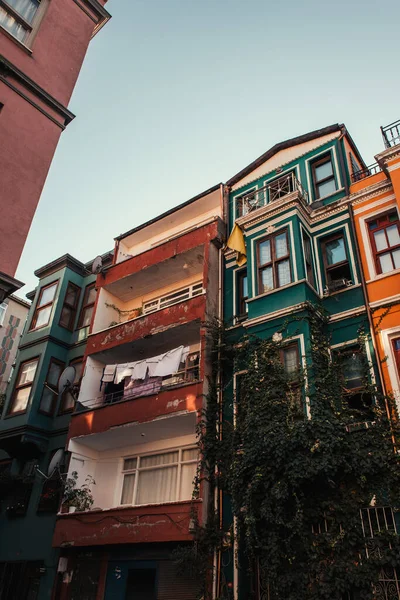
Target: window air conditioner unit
337, 284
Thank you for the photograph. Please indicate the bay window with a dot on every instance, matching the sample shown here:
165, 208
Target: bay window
384, 233
68, 399
89, 299
50, 390
159, 478
273, 262
23, 386
70, 306
44, 305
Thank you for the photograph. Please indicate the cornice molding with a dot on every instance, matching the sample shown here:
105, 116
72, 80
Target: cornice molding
63, 262
8, 285
370, 192
96, 13
25, 87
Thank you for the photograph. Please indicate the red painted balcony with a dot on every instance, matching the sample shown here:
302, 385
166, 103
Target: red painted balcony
185, 398
151, 324
155, 523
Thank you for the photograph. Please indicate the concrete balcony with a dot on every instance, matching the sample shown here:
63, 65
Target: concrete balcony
186, 398
168, 522
165, 322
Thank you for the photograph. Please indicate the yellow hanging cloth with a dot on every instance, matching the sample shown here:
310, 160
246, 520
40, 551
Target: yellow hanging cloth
236, 242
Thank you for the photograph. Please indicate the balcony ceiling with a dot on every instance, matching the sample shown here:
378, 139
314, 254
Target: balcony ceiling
186, 335
160, 275
134, 434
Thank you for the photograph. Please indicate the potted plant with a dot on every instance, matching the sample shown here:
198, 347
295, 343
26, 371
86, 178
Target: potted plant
78, 498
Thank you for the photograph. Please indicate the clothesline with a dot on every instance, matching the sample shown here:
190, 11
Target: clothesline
156, 366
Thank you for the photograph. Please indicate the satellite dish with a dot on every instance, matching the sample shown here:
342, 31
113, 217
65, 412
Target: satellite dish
55, 462
66, 380
97, 265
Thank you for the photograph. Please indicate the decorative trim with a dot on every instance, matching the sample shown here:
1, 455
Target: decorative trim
385, 302
63, 262
7, 69
379, 202
353, 312
8, 285
370, 192
96, 13
275, 315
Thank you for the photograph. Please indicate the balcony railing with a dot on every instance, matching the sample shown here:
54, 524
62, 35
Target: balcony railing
363, 173
391, 134
178, 296
275, 190
153, 385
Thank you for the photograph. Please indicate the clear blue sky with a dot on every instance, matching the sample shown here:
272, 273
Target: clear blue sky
177, 95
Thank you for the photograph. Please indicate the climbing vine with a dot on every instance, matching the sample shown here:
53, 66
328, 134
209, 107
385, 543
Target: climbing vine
309, 467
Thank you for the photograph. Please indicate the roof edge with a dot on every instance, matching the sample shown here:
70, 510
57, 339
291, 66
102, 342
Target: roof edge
214, 188
300, 139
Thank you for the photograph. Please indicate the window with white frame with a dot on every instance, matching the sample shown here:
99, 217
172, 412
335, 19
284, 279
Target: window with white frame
3, 310
159, 478
384, 234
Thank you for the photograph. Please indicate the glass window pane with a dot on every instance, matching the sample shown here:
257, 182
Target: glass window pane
71, 295
43, 316
335, 251
47, 295
396, 344
159, 459
68, 402
380, 240
265, 252
327, 188
190, 454
21, 400
284, 276
393, 235
78, 366
386, 262
323, 171
245, 291
267, 281
46, 402
54, 374
87, 316
9, 23
130, 464
290, 360
353, 370
281, 248
157, 485
27, 374
188, 474
65, 318
91, 297
127, 489
26, 8
396, 259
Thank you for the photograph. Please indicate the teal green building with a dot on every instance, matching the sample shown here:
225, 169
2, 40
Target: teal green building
291, 209
34, 424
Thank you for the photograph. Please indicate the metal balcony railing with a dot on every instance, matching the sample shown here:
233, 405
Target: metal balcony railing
178, 296
391, 134
275, 190
152, 385
363, 173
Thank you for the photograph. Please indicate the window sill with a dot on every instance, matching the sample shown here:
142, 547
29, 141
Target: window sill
16, 414
16, 40
283, 287
340, 190
383, 276
345, 289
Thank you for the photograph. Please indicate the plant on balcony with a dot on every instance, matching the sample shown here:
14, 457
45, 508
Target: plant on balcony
78, 498
131, 314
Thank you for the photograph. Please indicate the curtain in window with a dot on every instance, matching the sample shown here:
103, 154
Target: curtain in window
26, 8
9, 23
157, 484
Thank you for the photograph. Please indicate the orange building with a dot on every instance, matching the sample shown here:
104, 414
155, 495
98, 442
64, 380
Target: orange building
375, 199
